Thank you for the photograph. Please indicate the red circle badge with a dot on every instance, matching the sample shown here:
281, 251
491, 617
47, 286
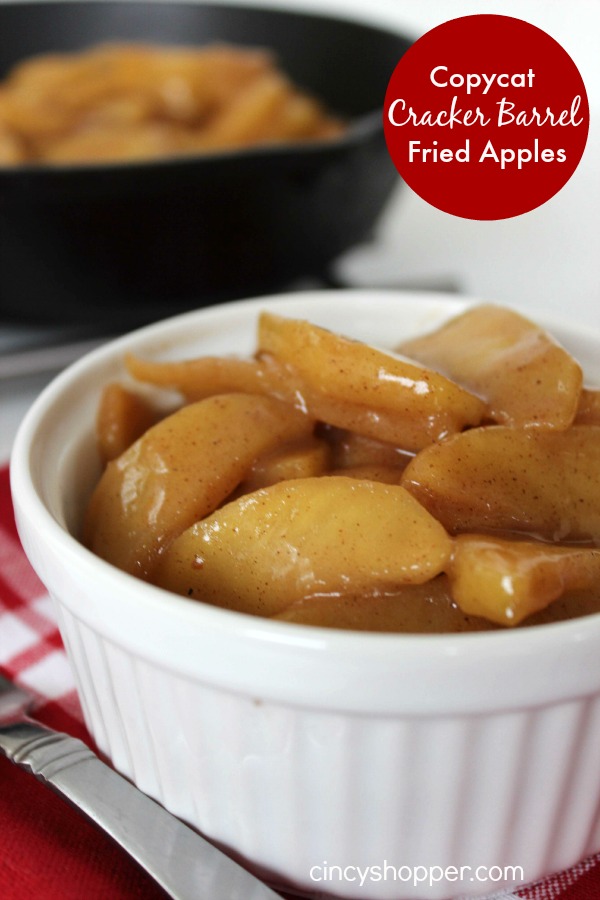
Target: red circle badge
486, 117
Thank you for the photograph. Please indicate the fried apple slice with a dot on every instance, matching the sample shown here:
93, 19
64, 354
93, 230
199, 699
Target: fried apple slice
410, 609
312, 536
525, 377
540, 482
350, 450
373, 472
179, 471
122, 418
588, 411
354, 386
506, 581
204, 376
12, 150
308, 458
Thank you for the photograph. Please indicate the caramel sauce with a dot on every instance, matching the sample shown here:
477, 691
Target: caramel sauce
422, 609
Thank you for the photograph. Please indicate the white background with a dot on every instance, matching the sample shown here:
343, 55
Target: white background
548, 259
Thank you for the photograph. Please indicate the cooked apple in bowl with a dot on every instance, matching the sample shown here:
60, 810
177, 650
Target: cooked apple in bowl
448, 486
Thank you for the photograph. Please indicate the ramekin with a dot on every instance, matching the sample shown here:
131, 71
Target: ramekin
355, 765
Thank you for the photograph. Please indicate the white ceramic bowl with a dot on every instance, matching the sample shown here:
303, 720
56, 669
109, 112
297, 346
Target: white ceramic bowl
324, 758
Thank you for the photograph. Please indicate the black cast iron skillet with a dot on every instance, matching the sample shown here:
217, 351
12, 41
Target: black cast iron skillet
127, 243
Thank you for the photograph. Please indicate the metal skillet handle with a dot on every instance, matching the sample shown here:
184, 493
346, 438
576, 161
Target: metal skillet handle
186, 865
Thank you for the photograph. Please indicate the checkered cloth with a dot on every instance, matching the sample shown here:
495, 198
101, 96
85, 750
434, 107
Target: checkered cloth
46, 849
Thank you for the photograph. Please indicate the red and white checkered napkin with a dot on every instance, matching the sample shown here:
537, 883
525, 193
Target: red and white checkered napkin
46, 849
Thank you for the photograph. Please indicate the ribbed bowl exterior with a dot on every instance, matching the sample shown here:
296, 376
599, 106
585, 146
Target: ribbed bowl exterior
297, 793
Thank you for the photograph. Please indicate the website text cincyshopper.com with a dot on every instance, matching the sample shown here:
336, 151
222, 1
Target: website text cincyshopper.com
416, 875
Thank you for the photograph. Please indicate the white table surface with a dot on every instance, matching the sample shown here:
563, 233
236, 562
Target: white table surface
548, 259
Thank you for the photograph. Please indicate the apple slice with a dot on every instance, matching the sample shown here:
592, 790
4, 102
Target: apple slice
201, 377
306, 458
307, 537
409, 609
588, 411
540, 482
122, 418
523, 374
179, 471
506, 581
351, 385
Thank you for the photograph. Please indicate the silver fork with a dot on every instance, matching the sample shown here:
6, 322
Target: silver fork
186, 865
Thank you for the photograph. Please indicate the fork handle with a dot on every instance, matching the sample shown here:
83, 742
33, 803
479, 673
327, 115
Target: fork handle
186, 865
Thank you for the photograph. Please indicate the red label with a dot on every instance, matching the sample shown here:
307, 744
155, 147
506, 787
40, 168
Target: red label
486, 117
